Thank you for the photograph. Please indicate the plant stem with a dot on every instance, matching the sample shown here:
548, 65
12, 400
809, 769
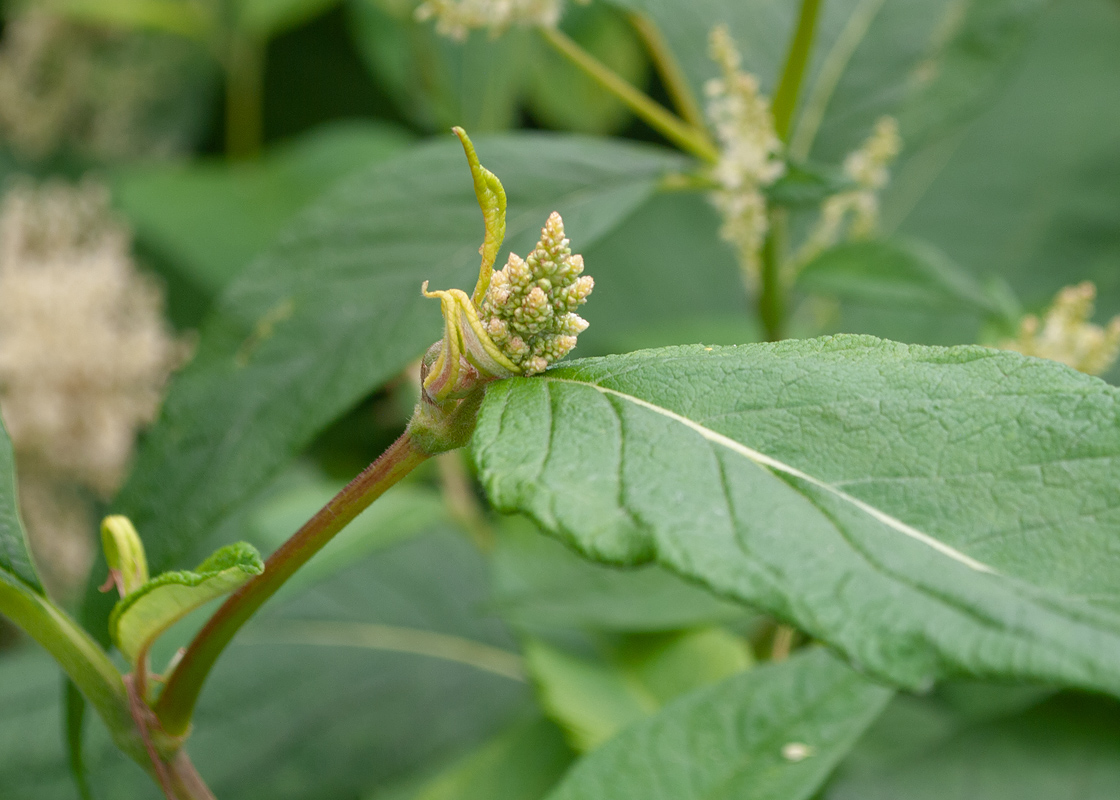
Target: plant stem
785, 99
692, 139
461, 502
771, 296
176, 704
185, 780
244, 67
672, 76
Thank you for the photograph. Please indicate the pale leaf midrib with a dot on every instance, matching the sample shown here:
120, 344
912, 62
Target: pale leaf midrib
763, 460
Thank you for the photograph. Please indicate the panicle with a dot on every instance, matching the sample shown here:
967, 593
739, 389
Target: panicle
1066, 335
456, 18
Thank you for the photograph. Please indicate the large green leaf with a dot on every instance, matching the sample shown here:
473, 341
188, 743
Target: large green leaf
1067, 747
335, 310
927, 511
15, 557
773, 733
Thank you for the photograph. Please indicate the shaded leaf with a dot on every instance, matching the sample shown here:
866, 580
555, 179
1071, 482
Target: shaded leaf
595, 698
1067, 747
773, 733
539, 582
958, 502
895, 272
522, 763
145, 613
15, 557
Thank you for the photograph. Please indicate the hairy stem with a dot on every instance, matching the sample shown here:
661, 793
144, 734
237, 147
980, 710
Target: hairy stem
176, 704
669, 69
688, 137
785, 99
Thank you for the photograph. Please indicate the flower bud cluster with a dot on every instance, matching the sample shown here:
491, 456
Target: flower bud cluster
457, 18
750, 152
855, 213
1066, 335
529, 308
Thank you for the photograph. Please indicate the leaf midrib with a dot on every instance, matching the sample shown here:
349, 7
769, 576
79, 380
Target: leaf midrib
774, 465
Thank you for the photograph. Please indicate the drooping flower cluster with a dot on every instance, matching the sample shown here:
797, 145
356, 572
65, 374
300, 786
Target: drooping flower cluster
84, 355
457, 18
750, 152
529, 308
1066, 335
855, 213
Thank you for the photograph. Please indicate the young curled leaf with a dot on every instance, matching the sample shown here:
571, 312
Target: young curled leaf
142, 615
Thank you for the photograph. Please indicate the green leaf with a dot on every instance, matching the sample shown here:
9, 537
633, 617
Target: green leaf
334, 310
1068, 747
15, 557
539, 582
142, 615
804, 184
893, 273
593, 699
522, 763
958, 502
773, 733
209, 220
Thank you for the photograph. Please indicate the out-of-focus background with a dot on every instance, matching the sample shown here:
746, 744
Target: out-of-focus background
162, 160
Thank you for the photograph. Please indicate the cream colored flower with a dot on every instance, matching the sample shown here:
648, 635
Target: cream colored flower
457, 18
1066, 335
750, 153
84, 354
855, 213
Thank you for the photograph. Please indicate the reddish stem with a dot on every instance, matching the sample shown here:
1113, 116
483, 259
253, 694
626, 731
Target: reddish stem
176, 704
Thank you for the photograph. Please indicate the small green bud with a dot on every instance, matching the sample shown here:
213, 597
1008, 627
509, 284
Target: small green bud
124, 552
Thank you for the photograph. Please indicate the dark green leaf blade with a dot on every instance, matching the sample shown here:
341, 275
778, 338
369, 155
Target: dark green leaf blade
958, 502
773, 733
335, 310
15, 557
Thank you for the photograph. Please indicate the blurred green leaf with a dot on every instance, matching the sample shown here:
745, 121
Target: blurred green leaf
540, 582
562, 96
805, 184
211, 219
1067, 747
437, 82
918, 490
773, 733
146, 612
15, 556
522, 763
895, 272
593, 699
288, 714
